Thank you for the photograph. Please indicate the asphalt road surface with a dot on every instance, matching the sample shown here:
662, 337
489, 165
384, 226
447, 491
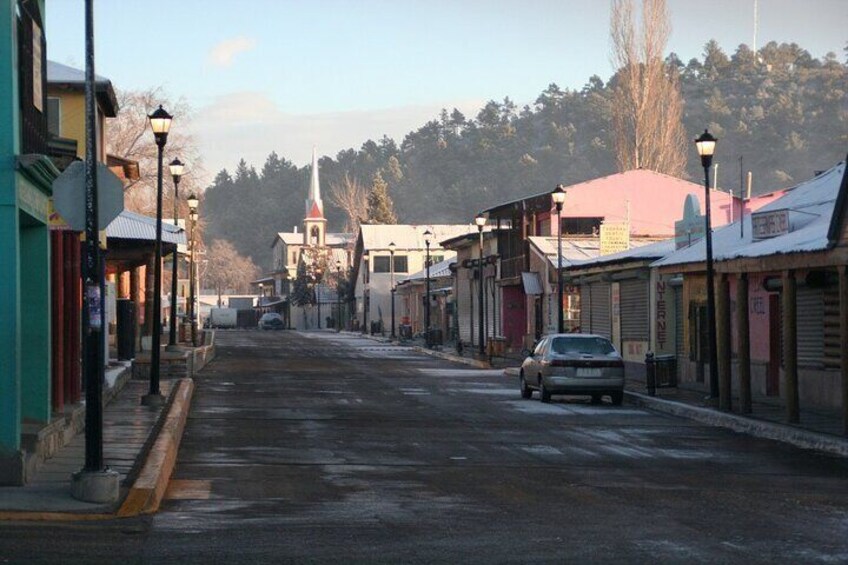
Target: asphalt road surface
331, 448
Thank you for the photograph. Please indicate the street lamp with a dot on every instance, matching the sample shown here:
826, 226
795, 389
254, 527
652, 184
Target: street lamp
192, 314
365, 293
558, 196
339, 294
160, 123
176, 166
427, 235
706, 145
392, 290
481, 222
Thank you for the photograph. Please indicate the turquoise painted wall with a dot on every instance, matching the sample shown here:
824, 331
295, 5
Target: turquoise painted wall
35, 354
10, 400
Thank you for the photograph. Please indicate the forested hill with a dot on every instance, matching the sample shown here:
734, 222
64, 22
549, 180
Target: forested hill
783, 111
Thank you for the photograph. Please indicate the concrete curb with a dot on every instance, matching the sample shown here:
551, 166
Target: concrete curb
146, 493
804, 439
456, 359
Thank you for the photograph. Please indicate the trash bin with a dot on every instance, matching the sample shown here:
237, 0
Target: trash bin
665, 370
125, 312
660, 372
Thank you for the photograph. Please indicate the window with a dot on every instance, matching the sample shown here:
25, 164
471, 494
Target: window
581, 226
436, 259
381, 264
582, 346
401, 265
54, 116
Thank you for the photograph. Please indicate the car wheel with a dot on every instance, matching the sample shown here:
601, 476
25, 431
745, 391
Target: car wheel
597, 398
544, 393
525, 390
617, 397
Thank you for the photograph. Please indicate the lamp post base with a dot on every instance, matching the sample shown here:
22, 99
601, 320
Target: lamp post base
152, 400
95, 486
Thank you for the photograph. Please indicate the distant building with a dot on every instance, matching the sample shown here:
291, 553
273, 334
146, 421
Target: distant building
313, 251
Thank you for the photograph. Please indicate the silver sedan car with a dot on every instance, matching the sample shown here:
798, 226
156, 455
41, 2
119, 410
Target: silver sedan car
578, 364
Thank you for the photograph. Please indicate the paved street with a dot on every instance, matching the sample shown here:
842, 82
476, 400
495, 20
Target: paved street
322, 447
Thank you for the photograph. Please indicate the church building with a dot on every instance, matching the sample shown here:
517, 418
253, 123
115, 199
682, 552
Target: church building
308, 265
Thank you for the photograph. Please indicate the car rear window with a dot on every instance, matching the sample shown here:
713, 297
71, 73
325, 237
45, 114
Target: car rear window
582, 345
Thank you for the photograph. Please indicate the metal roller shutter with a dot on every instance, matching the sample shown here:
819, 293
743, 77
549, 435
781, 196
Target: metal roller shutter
810, 324
634, 310
599, 313
678, 321
463, 298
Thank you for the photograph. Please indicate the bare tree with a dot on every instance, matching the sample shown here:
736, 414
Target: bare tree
225, 269
129, 136
352, 198
648, 106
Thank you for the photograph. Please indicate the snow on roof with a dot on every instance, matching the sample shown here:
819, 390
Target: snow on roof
811, 205
332, 239
648, 251
406, 236
129, 225
572, 249
437, 270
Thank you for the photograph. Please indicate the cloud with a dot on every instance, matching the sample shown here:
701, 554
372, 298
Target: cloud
223, 53
249, 125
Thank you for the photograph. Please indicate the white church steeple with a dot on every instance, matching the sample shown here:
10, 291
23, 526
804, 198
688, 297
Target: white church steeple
314, 196
314, 224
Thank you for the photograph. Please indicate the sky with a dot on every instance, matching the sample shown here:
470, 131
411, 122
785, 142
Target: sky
284, 76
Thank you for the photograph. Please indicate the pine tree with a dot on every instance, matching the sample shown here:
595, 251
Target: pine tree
380, 207
303, 289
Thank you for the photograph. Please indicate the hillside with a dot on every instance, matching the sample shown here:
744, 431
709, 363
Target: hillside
783, 112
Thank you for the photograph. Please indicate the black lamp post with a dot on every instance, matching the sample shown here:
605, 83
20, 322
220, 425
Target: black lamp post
259, 297
192, 314
480, 221
160, 123
427, 235
176, 167
392, 289
558, 197
338, 295
365, 301
706, 144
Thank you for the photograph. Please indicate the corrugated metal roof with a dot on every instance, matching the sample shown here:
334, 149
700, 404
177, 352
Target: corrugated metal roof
641, 252
129, 225
532, 283
438, 270
814, 203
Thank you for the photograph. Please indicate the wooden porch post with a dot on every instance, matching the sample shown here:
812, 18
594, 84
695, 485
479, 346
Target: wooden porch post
723, 342
790, 347
148, 296
843, 330
136, 299
743, 354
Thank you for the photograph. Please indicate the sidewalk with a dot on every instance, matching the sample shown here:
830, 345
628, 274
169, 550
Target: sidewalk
139, 442
819, 429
